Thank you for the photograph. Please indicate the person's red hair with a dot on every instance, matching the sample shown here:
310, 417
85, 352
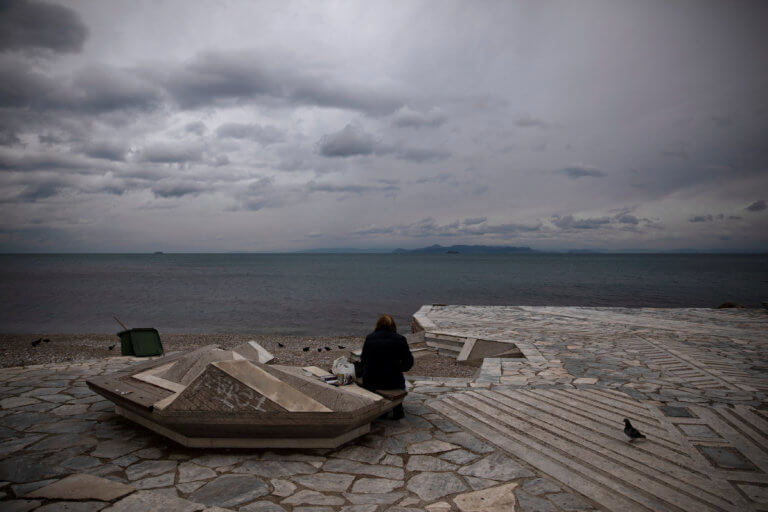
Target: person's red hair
386, 323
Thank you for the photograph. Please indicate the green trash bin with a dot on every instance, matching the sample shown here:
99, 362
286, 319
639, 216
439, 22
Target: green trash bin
141, 342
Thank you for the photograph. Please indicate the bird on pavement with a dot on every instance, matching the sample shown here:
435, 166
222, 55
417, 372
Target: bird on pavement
632, 432
305, 349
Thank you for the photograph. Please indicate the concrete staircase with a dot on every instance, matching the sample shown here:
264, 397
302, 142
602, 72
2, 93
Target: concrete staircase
445, 345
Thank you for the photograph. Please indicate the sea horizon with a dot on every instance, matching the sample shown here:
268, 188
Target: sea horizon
343, 294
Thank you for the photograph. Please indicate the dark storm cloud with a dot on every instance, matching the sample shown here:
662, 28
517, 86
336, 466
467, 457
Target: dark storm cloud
568, 222
407, 117
42, 161
701, 218
177, 188
91, 90
499, 229
429, 227
628, 219
474, 220
34, 191
262, 193
26, 24
171, 153
21, 85
757, 206
106, 89
263, 134
212, 77
105, 150
349, 141
8, 137
353, 189
577, 171
354, 141
196, 127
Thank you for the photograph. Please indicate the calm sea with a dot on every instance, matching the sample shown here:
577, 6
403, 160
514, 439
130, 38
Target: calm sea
320, 294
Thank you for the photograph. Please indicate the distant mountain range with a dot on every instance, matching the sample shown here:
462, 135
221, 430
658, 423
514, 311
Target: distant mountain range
467, 249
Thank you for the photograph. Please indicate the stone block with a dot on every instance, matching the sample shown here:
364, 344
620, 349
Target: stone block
493, 499
82, 487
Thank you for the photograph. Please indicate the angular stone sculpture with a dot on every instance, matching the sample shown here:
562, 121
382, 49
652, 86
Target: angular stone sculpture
230, 398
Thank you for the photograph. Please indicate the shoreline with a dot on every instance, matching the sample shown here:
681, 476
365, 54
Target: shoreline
17, 350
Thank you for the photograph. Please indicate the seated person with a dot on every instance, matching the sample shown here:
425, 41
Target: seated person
384, 359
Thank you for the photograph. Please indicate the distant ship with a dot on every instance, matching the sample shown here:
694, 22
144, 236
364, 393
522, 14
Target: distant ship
159, 252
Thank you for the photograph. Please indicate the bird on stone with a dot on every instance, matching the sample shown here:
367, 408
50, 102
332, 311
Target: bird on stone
328, 349
319, 350
632, 432
46, 340
37, 342
110, 347
342, 347
280, 345
305, 349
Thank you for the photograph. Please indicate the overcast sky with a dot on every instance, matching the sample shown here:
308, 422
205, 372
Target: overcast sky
270, 126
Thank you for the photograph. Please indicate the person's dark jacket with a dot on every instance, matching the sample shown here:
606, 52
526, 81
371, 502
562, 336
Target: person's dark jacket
384, 359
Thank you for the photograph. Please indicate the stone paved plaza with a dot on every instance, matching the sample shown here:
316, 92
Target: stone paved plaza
538, 433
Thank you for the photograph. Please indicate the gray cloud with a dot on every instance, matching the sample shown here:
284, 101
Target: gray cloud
474, 220
353, 141
263, 134
429, 227
26, 24
105, 150
178, 188
354, 189
173, 112
407, 117
196, 127
212, 77
171, 153
93, 89
8, 137
569, 222
701, 218
349, 141
416, 154
577, 171
530, 122
628, 219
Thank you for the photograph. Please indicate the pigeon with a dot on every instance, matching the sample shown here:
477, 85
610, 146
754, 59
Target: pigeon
110, 347
280, 345
37, 342
632, 432
342, 347
328, 349
46, 340
305, 349
319, 350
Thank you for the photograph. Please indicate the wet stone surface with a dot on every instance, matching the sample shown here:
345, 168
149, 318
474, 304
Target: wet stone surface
53, 426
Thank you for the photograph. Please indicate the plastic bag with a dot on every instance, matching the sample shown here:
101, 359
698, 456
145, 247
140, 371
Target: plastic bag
343, 370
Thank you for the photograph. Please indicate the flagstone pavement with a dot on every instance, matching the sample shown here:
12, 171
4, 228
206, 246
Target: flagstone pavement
538, 433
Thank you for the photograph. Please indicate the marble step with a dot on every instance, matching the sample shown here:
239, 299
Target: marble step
586, 451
